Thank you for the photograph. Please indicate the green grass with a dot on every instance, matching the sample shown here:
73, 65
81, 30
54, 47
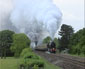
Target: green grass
49, 65
13, 63
9, 63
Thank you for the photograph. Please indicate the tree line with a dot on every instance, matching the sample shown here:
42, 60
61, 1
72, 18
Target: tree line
12, 44
72, 42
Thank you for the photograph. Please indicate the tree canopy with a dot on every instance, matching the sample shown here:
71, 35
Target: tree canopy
56, 42
47, 40
77, 42
20, 41
65, 32
5, 41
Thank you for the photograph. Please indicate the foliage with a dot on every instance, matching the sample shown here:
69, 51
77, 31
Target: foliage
28, 54
47, 40
56, 42
5, 41
32, 63
65, 33
31, 60
31, 56
25, 51
14, 63
77, 42
35, 67
20, 41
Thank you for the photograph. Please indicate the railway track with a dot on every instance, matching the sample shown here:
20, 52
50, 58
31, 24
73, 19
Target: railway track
76, 63
63, 61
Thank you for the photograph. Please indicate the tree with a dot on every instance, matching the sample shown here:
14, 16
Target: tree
5, 42
47, 40
56, 42
20, 41
65, 33
77, 42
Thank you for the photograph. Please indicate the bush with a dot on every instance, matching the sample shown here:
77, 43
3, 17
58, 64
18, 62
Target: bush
31, 60
26, 51
30, 56
35, 67
32, 63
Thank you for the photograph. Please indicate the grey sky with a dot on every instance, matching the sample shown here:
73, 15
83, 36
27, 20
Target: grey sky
73, 12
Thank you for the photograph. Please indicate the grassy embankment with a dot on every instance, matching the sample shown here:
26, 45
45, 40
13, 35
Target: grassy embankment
13, 63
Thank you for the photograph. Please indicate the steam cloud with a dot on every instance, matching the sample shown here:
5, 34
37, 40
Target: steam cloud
5, 10
34, 17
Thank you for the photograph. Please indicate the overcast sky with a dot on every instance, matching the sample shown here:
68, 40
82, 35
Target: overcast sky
73, 12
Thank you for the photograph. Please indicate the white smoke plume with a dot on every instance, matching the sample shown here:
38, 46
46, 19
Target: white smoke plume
5, 11
34, 17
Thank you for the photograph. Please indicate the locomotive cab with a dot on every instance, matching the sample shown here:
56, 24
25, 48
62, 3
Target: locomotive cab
51, 47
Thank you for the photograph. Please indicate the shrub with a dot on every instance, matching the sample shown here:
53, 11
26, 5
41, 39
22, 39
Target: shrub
32, 63
35, 67
31, 60
30, 55
25, 51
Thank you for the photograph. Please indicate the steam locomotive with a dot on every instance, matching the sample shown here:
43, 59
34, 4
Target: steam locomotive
51, 47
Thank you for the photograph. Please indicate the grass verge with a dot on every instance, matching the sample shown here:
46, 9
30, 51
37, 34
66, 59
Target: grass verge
13, 63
